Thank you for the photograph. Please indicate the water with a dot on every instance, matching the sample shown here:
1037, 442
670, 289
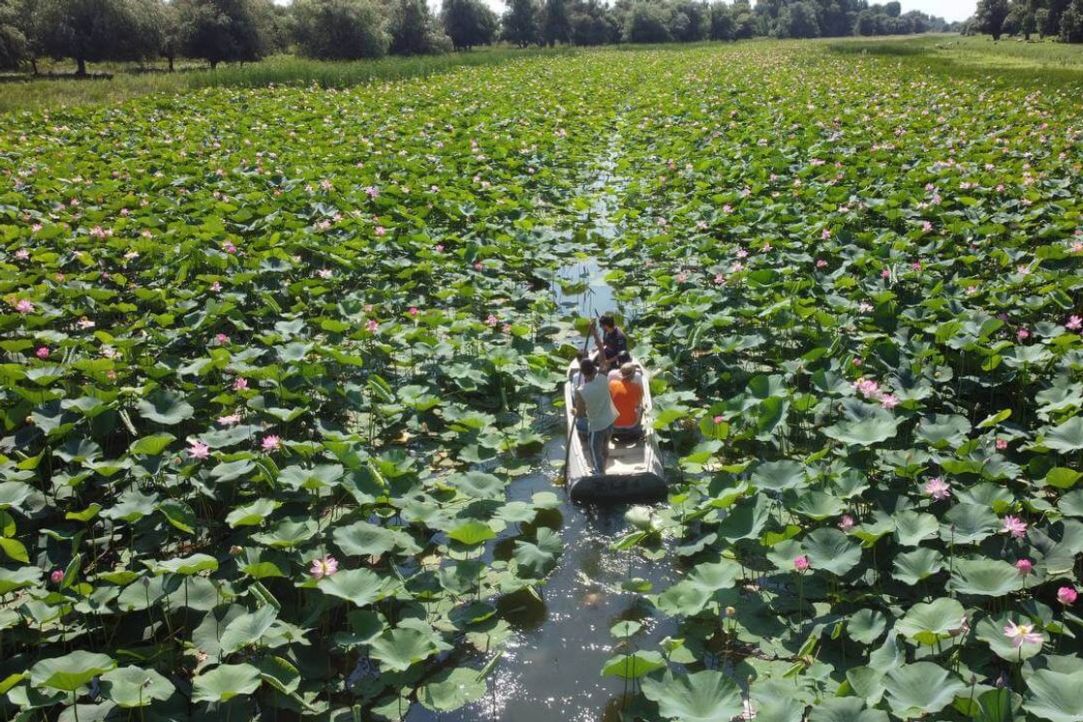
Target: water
551, 668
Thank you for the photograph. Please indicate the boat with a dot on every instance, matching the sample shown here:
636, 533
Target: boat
634, 471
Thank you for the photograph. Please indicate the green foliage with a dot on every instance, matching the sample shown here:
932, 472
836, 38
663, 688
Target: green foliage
339, 29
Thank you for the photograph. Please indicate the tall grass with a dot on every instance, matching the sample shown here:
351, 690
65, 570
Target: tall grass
40, 93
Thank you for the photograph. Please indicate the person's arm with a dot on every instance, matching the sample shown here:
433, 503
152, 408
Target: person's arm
602, 360
580, 407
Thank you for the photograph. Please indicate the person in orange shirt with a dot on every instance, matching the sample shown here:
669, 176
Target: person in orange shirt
627, 393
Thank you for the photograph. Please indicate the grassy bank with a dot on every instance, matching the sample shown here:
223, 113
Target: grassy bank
41, 93
1009, 60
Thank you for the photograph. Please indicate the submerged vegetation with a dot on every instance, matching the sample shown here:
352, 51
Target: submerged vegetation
273, 357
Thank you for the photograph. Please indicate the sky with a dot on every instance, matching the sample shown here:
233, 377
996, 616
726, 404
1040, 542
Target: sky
950, 10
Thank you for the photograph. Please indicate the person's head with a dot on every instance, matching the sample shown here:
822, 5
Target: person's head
628, 371
607, 322
588, 368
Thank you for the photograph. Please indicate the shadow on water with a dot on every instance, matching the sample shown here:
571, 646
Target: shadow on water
551, 669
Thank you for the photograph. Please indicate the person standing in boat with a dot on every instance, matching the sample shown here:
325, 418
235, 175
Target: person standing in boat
613, 342
627, 392
594, 404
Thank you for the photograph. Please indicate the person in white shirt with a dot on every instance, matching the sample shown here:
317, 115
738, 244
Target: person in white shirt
593, 401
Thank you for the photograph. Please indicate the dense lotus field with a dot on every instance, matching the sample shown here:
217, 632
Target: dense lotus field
271, 359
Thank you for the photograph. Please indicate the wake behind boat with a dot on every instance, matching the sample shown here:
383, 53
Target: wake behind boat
634, 470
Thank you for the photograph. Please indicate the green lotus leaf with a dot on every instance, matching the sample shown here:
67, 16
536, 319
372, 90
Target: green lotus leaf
912, 527
1064, 437
254, 514
225, 682
633, 666
831, 550
539, 557
478, 485
915, 690
683, 598
943, 431
778, 475
452, 689
864, 424
321, 476
362, 539
135, 687
990, 630
70, 672
845, 709
187, 565
914, 566
706, 696
928, 623
1055, 695
397, 649
151, 445
818, 505
167, 408
866, 625
472, 533
247, 629
359, 586
984, 577
12, 579
714, 576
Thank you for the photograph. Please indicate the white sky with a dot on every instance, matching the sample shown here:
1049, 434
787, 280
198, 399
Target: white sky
950, 10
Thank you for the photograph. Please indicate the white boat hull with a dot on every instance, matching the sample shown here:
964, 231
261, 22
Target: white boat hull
634, 470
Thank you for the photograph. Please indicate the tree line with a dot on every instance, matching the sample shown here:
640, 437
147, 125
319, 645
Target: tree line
1061, 19
217, 31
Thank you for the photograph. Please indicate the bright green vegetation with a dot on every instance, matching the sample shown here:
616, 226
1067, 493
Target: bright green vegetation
278, 70
978, 53
272, 359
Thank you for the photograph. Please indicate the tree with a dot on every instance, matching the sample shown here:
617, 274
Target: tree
744, 21
1071, 23
893, 9
720, 22
339, 29
171, 41
688, 21
555, 27
798, 20
646, 22
520, 23
223, 30
468, 23
991, 15
592, 23
414, 30
14, 46
91, 31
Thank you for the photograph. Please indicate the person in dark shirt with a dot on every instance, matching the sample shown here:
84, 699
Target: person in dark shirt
614, 344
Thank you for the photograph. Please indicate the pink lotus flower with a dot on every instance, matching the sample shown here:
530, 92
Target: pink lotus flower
230, 248
22, 254
380, 231
937, 488
325, 273
1022, 334
492, 320
222, 339
1067, 595
926, 226
372, 326
198, 450
682, 277
240, 384
1021, 634
718, 419
229, 420
1015, 526
24, 306
857, 361
372, 192
801, 563
825, 234
439, 248
916, 265
846, 523
889, 401
42, 352
271, 443
479, 266
1001, 444
742, 253
323, 567
719, 279
864, 307
886, 273
1025, 566
413, 312
821, 263
56, 576
1074, 323
216, 287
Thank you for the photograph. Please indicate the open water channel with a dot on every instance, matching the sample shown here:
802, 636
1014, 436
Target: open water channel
551, 668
